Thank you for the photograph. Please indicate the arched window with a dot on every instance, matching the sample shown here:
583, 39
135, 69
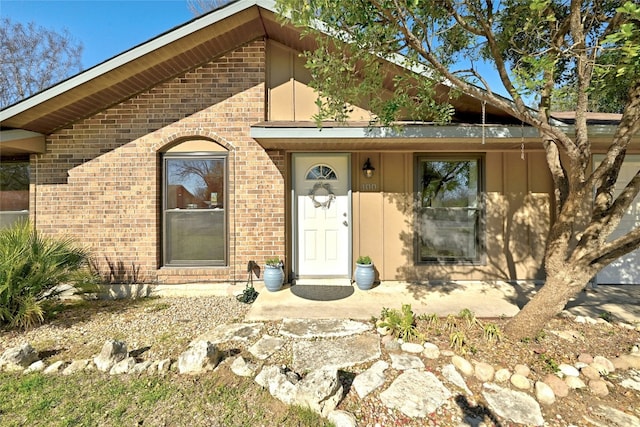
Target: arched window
194, 204
321, 172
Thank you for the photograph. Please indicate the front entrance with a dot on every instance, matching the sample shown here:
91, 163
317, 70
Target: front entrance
322, 215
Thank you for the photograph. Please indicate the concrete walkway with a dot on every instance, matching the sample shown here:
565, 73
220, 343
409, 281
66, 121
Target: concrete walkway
483, 299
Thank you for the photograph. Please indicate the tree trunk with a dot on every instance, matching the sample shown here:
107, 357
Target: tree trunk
548, 302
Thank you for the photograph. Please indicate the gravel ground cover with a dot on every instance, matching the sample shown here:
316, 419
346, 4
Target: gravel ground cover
158, 328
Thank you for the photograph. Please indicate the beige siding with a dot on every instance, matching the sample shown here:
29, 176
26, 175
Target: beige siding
518, 211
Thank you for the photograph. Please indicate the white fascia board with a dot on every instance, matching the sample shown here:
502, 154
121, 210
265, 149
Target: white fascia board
133, 54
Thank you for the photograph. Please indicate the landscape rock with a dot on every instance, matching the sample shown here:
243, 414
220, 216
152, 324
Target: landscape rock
55, 367
452, 375
113, 351
615, 417
559, 387
403, 362
411, 347
568, 370
37, 366
574, 383
544, 393
340, 352
415, 394
390, 343
585, 358
371, 379
322, 328
275, 380
242, 368
431, 351
242, 332
502, 375
76, 366
320, 390
141, 367
199, 357
484, 372
626, 361
520, 382
513, 405
523, 370
631, 384
602, 369
266, 346
603, 361
342, 419
123, 367
18, 358
164, 366
598, 387
463, 365
590, 372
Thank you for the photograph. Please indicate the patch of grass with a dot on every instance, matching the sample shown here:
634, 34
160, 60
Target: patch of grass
88, 399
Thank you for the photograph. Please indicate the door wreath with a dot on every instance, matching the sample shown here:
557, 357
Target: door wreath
318, 189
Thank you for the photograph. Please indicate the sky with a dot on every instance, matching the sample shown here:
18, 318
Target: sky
105, 28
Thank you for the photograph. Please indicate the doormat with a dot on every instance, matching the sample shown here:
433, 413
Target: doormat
322, 292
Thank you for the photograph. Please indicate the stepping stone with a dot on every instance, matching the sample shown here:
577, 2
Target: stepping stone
266, 346
515, 406
322, 328
340, 352
242, 332
415, 393
370, 379
402, 362
454, 377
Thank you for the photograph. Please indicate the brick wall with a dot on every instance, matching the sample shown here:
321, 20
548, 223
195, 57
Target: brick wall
100, 179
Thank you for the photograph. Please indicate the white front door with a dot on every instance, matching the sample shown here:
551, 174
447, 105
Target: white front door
624, 270
322, 204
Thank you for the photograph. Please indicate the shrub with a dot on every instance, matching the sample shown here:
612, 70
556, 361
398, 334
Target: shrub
31, 269
400, 323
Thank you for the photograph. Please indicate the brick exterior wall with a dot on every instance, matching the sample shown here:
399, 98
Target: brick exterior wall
100, 179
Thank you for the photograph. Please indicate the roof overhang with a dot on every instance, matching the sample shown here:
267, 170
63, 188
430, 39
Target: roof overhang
21, 142
294, 136
146, 65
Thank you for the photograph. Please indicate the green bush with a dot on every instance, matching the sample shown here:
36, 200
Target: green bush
32, 267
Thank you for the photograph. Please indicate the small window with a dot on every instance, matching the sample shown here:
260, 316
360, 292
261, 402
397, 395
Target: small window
195, 209
321, 172
449, 214
14, 191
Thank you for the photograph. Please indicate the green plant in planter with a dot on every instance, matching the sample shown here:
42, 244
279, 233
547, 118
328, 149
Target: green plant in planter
273, 275
364, 274
273, 262
364, 260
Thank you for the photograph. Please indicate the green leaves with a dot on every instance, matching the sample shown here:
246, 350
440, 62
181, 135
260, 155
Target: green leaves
31, 267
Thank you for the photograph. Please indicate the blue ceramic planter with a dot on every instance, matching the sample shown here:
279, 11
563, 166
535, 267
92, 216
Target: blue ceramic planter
273, 278
365, 276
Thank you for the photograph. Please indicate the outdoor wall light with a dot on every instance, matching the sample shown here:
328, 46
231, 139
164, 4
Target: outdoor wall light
367, 169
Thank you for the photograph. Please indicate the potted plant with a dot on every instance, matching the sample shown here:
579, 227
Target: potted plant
365, 274
273, 274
